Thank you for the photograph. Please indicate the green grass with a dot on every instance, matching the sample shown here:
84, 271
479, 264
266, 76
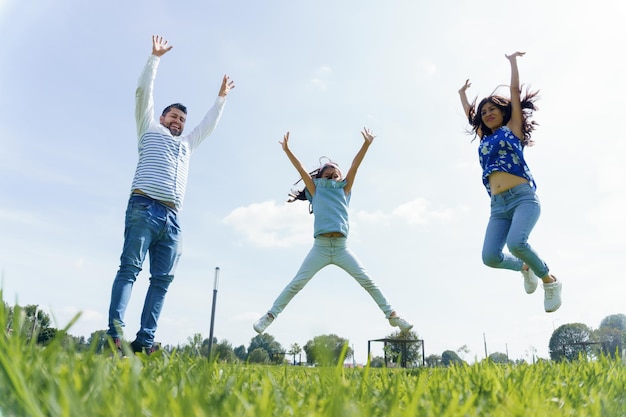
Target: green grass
57, 381
53, 381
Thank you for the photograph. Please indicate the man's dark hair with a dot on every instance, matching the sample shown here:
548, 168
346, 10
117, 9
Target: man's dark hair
174, 106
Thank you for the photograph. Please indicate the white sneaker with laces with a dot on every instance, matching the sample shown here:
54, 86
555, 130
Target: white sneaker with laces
397, 321
552, 297
530, 281
263, 323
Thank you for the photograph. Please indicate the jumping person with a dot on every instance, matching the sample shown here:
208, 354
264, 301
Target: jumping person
329, 195
157, 191
504, 128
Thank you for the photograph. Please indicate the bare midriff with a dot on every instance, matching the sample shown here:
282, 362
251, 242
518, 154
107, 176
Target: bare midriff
332, 234
501, 181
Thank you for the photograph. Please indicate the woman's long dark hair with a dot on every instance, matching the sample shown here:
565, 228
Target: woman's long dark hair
528, 107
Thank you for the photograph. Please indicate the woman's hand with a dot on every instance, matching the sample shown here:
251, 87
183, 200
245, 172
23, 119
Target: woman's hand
514, 55
467, 85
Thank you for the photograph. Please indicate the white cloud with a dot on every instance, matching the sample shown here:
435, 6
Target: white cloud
270, 225
417, 211
324, 70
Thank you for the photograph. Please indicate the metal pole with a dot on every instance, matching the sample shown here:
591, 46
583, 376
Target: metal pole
215, 282
485, 341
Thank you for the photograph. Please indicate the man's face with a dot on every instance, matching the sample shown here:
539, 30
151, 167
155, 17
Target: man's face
174, 120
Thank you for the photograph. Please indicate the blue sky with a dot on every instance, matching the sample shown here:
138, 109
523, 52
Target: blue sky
321, 70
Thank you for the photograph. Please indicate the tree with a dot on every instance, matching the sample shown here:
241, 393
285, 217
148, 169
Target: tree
569, 341
223, 351
611, 334
463, 350
377, 362
27, 322
259, 355
499, 357
433, 361
403, 353
295, 350
194, 348
267, 342
98, 340
46, 335
611, 341
614, 321
327, 350
241, 353
450, 357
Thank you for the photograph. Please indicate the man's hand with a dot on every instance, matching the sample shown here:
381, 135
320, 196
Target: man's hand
159, 46
227, 85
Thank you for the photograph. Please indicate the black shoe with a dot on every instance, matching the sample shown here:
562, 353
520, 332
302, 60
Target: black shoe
136, 347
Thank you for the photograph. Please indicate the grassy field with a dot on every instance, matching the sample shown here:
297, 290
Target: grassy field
57, 381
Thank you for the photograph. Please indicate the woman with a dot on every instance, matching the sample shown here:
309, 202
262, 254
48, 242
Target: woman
504, 129
329, 194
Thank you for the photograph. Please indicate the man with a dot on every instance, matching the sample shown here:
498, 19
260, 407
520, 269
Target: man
157, 191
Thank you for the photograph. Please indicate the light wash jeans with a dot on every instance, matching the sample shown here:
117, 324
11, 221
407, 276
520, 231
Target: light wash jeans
327, 251
150, 227
514, 213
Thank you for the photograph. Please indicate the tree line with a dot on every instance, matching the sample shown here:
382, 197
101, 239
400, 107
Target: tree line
568, 342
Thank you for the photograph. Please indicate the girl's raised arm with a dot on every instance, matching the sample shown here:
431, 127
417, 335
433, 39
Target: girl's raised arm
306, 178
368, 138
517, 119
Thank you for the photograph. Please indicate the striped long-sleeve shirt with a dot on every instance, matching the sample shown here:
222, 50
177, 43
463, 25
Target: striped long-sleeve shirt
163, 163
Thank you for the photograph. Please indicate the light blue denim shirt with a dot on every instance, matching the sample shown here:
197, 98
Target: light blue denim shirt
330, 207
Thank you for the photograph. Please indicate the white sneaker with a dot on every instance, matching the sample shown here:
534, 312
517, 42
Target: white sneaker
552, 297
263, 323
397, 321
530, 281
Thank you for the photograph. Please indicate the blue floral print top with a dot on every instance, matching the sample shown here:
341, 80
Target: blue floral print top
503, 151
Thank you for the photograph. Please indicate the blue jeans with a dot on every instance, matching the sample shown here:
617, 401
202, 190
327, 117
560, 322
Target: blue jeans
514, 213
150, 227
327, 251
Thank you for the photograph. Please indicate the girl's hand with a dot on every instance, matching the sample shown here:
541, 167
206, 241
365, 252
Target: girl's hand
285, 141
514, 55
465, 87
368, 135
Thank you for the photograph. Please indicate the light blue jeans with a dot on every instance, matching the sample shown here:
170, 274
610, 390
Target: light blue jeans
327, 251
514, 213
150, 227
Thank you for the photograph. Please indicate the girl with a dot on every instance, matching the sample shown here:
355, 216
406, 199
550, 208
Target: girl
504, 128
329, 195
